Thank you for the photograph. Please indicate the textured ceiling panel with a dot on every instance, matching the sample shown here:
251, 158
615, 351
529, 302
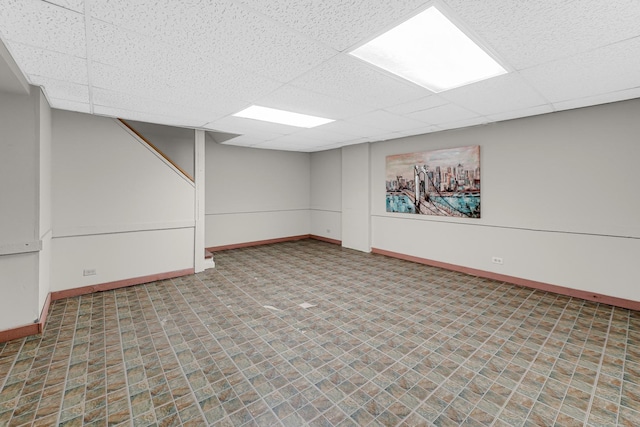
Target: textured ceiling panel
61, 89
598, 99
387, 121
251, 127
530, 33
130, 102
43, 25
195, 63
354, 129
64, 104
350, 79
603, 70
493, 96
39, 62
443, 114
291, 98
75, 5
417, 105
172, 120
248, 40
338, 23
223, 30
532, 111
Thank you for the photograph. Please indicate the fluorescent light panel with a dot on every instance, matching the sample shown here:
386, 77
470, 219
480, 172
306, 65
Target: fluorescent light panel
283, 117
431, 51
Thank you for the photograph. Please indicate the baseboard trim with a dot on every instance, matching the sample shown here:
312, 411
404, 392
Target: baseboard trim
19, 332
326, 239
589, 296
44, 314
257, 243
68, 293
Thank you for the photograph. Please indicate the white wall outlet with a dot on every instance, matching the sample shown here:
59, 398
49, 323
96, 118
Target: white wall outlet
89, 272
497, 260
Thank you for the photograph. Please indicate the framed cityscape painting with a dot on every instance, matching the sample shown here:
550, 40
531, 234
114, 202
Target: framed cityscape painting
441, 182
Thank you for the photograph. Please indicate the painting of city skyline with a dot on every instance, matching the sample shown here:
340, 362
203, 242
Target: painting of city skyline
440, 182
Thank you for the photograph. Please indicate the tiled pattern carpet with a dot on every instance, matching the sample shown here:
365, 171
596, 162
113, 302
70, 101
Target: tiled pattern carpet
387, 342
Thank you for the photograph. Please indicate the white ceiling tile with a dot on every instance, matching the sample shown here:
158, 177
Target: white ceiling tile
347, 127
252, 127
324, 135
39, 62
291, 98
417, 105
60, 89
443, 114
420, 131
43, 25
64, 104
352, 80
129, 102
531, 33
146, 117
223, 30
475, 121
244, 141
338, 23
196, 62
298, 139
494, 95
598, 99
532, 111
387, 121
75, 5
609, 69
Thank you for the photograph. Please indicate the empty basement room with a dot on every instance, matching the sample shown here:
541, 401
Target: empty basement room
319, 213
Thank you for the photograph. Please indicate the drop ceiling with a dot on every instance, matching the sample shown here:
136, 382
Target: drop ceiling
194, 63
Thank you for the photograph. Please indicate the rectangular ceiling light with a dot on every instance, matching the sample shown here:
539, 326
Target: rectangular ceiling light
282, 117
430, 51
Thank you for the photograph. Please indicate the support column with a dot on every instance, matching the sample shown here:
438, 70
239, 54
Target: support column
198, 254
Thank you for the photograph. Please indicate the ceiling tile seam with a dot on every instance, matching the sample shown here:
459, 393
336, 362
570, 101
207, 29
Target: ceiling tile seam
424, 6
87, 43
225, 62
535, 89
284, 26
61, 6
584, 98
15, 42
474, 35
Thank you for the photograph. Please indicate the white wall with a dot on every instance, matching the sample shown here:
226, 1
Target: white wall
117, 206
44, 205
254, 194
176, 143
559, 200
19, 240
326, 194
356, 181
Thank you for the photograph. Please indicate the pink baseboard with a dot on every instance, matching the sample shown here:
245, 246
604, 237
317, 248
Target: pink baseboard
257, 243
119, 284
590, 296
326, 239
28, 330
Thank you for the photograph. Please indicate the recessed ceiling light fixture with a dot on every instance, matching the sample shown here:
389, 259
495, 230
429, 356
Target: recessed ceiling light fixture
280, 116
431, 51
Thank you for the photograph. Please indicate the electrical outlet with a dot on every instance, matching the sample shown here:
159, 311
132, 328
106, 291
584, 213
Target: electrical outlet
328, 231
497, 260
89, 272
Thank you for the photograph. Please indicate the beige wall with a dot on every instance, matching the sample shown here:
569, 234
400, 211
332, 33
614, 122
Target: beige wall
326, 194
558, 200
254, 195
117, 206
